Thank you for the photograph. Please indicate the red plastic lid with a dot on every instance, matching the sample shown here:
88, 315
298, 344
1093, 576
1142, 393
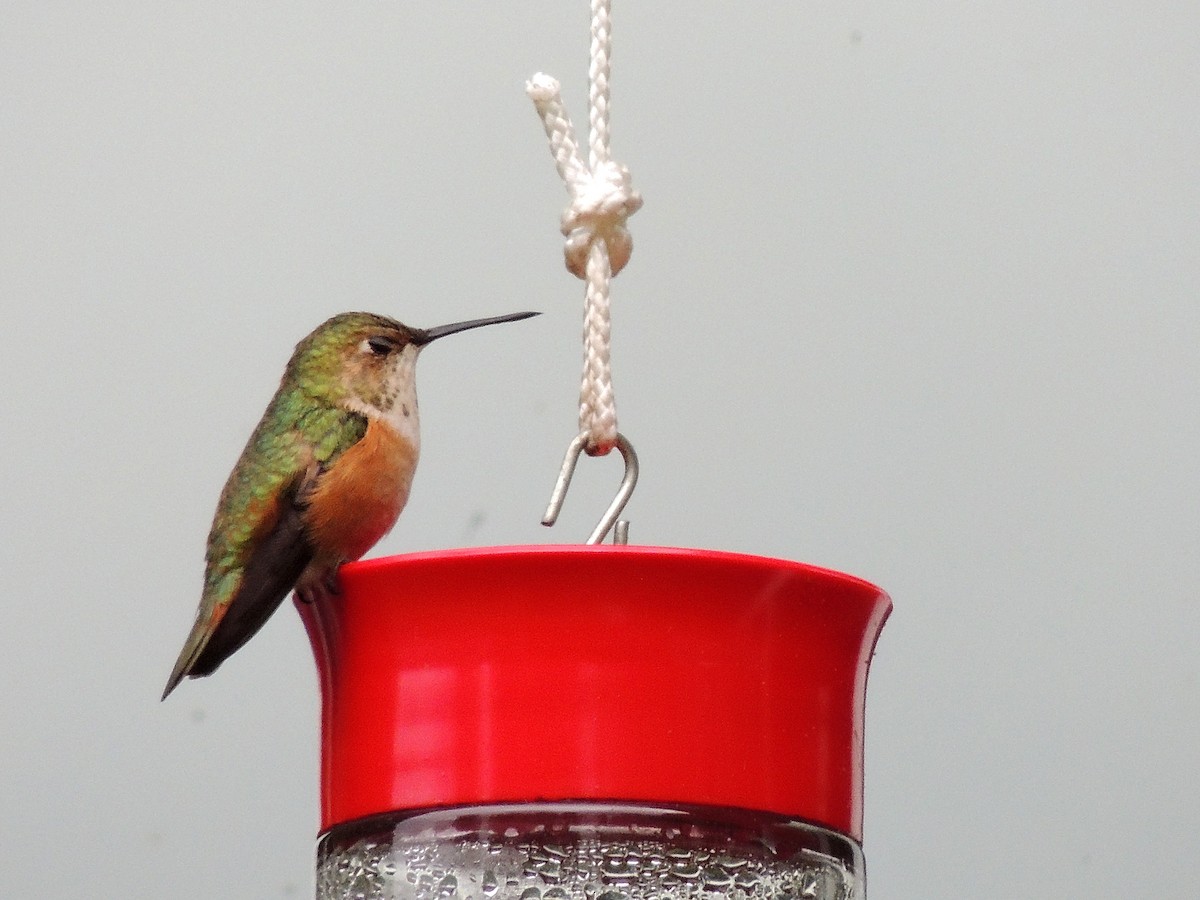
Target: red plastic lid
594, 673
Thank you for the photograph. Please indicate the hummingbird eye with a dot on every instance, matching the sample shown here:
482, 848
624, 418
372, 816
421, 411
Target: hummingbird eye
380, 345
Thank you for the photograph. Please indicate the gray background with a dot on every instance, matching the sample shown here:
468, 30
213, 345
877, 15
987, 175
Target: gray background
913, 296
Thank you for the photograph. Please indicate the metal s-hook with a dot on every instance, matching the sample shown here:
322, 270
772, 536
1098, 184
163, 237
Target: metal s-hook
624, 492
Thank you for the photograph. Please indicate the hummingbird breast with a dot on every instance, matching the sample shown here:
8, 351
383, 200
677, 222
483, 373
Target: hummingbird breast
358, 500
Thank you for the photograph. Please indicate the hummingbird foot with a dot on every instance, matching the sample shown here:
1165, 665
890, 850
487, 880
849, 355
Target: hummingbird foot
333, 582
314, 587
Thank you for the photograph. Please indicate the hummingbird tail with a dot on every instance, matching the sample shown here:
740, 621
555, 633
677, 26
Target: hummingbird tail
173, 682
202, 631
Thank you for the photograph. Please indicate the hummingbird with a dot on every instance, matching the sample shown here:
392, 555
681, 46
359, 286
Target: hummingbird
324, 476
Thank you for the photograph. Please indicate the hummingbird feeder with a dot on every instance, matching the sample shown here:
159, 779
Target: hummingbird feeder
592, 722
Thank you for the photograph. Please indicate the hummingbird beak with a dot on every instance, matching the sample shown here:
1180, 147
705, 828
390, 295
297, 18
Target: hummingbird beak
423, 336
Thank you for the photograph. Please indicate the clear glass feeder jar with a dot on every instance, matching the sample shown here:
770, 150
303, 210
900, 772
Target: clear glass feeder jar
587, 851
482, 709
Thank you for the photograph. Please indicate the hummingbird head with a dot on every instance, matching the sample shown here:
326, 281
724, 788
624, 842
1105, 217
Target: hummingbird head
367, 362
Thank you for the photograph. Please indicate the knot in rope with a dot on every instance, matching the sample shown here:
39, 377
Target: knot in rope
601, 202
602, 195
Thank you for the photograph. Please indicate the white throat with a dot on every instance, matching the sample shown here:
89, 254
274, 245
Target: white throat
403, 415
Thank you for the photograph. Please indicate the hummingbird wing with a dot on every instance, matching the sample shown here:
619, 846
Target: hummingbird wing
271, 570
258, 547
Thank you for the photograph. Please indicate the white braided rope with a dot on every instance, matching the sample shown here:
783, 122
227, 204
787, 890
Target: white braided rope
598, 245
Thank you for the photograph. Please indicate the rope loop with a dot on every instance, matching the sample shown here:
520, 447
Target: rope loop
602, 196
598, 244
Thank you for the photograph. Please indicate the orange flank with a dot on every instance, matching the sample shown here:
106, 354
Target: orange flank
357, 501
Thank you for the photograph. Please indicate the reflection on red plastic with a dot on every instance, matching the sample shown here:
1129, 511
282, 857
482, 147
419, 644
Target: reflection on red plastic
594, 673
